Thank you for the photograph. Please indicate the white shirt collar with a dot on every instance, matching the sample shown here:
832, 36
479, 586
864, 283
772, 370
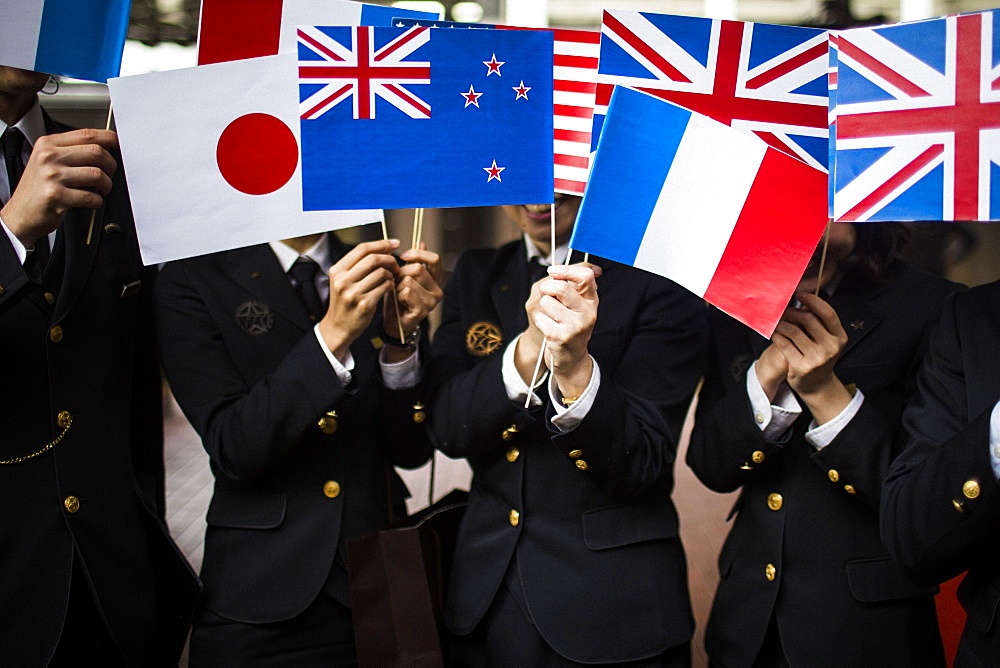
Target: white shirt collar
319, 253
31, 125
545, 260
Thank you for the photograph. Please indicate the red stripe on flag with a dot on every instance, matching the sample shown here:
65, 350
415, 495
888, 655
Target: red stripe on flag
402, 41
882, 70
582, 62
996, 84
573, 111
412, 100
776, 233
572, 160
327, 100
572, 135
570, 186
630, 38
784, 68
567, 86
238, 29
894, 182
309, 39
604, 92
577, 36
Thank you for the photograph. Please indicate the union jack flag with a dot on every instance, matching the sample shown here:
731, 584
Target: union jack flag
918, 121
361, 72
765, 79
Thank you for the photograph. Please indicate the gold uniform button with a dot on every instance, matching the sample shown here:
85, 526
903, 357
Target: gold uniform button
757, 457
50, 298
328, 423
418, 413
513, 454
1, 290
72, 504
515, 518
509, 432
833, 475
770, 572
64, 419
331, 488
56, 334
746, 467
575, 454
959, 505
582, 465
971, 489
850, 489
774, 501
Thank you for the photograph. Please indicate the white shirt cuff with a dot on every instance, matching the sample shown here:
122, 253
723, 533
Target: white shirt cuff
517, 389
401, 375
823, 435
772, 419
995, 440
342, 369
22, 252
568, 417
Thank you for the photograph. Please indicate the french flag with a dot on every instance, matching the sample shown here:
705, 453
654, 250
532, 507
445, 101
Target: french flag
709, 207
82, 39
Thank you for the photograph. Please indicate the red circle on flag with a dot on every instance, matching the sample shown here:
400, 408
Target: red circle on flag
257, 154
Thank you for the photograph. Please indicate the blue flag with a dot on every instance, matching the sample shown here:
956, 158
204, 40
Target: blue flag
422, 117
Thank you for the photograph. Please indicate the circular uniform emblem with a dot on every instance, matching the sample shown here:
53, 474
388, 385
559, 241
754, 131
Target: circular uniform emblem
483, 338
254, 317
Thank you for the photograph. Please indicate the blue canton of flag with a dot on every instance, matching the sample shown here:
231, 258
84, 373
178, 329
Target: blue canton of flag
421, 117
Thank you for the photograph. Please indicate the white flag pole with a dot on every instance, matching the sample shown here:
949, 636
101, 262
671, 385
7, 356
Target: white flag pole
93, 212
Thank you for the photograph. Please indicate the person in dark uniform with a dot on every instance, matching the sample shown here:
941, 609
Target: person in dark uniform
940, 501
303, 411
568, 552
805, 427
87, 568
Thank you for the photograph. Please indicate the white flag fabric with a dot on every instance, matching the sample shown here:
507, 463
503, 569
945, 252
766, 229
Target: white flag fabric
212, 158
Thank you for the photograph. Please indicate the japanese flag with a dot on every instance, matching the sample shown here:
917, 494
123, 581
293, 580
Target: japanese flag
212, 158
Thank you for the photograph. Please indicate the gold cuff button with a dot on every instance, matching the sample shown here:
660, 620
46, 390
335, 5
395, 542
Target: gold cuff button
971, 489
833, 475
56, 334
72, 504
959, 505
757, 457
770, 572
515, 518
513, 454
331, 488
774, 501
50, 298
64, 419
582, 465
1, 290
746, 467
850, 489
328, 423
509, 432
418, 413
575, 454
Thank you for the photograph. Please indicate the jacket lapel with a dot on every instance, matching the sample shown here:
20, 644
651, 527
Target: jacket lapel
256, 270
511, 289
78, 256
856, 302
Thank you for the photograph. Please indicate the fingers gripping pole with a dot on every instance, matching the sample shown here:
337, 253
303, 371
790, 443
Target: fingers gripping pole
395, 301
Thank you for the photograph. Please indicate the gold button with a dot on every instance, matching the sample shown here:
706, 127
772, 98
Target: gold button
959, 505
759, 418
582, 465
56, 334
331, 488
575, 454
850, 489
509, 432
757, 457
328, 423
971, 489
515, 518
746, 467
774, 501
1, 289
418, 413
112, 228
64, 419
770, 572
50, 298
72, 504
833, 475
513, 454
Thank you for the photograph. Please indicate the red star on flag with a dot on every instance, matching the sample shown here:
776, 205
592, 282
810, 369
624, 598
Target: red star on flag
472, 97
494, 172
522, 91
494, 65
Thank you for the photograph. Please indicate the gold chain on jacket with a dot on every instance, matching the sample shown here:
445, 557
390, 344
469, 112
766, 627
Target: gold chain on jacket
65, 420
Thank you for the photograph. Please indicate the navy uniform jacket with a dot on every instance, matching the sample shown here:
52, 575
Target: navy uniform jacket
805, 545
80, 345
246, 368
941, 502
588, 513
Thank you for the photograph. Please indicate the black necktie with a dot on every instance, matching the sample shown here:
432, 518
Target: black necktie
13, 149
537, 270
303, 274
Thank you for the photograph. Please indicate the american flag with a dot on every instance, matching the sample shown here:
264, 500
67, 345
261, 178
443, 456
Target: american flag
575, 95
362, 72
769, 80
918, 121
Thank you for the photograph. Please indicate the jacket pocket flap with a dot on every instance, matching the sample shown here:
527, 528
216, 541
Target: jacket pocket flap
879, 579
604, 528
246, 511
